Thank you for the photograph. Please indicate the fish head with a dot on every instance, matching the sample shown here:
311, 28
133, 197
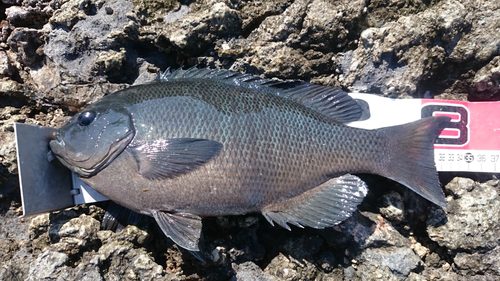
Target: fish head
92, 139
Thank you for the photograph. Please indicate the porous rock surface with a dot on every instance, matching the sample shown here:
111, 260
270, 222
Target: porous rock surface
57, 56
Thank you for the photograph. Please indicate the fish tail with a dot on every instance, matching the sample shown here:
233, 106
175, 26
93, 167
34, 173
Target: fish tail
411, 156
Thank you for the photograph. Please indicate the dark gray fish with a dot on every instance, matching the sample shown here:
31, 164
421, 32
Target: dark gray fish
202, 142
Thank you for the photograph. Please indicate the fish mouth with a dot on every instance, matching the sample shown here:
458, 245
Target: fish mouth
57, 146
56, 136
114, 150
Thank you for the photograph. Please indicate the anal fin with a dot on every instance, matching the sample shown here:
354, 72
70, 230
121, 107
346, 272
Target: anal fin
323, 206
183, 228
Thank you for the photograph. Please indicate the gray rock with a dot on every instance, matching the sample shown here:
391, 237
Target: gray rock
369, 272
399, 260
478, 263
6, 67
9, 87
76, 235
382, 250
27, 44
8, 147
14, 257
71, 12
250, 271
275, 46
481, 24
396, 49
39, 232
47, 266
68, 234
392, 206
372, 230
83, 25
87, 272
289, 268
59, 55
12, 272
469, 221
125, 261
130, 234
391, 57
303, 247
28, 15
197, 31
486, 82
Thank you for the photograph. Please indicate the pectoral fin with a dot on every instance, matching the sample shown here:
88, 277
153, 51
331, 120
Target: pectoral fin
169, 158
323, 206
183, 228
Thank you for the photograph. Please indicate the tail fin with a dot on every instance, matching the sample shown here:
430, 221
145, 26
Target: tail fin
412, 156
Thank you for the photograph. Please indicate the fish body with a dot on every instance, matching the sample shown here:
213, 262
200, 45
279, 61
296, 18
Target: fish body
203, 142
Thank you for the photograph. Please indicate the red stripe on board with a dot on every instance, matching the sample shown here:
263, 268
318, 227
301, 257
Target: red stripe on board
455, 117
483, 124
450, 133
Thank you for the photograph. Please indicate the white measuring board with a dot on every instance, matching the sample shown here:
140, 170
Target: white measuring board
470, 143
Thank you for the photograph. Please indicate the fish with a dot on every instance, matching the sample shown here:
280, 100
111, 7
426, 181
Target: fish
201, 142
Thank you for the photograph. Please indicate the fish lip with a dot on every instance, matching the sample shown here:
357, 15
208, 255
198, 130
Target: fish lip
57, 144
108, 158
56, 136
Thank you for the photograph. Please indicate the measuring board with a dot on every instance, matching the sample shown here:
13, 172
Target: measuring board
470, 143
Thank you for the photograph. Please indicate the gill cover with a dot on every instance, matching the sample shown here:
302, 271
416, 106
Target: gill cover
92, 139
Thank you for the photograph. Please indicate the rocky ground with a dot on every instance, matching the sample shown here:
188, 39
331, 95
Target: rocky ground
56, 56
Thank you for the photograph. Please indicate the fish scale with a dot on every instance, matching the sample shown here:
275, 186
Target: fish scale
203, 142
320, 154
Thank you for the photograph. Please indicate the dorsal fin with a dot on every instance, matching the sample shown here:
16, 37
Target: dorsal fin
330, 101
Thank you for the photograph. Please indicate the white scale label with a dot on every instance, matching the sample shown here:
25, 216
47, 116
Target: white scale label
451, 160
470, 143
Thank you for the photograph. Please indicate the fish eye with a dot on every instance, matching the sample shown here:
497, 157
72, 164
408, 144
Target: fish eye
86, 118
